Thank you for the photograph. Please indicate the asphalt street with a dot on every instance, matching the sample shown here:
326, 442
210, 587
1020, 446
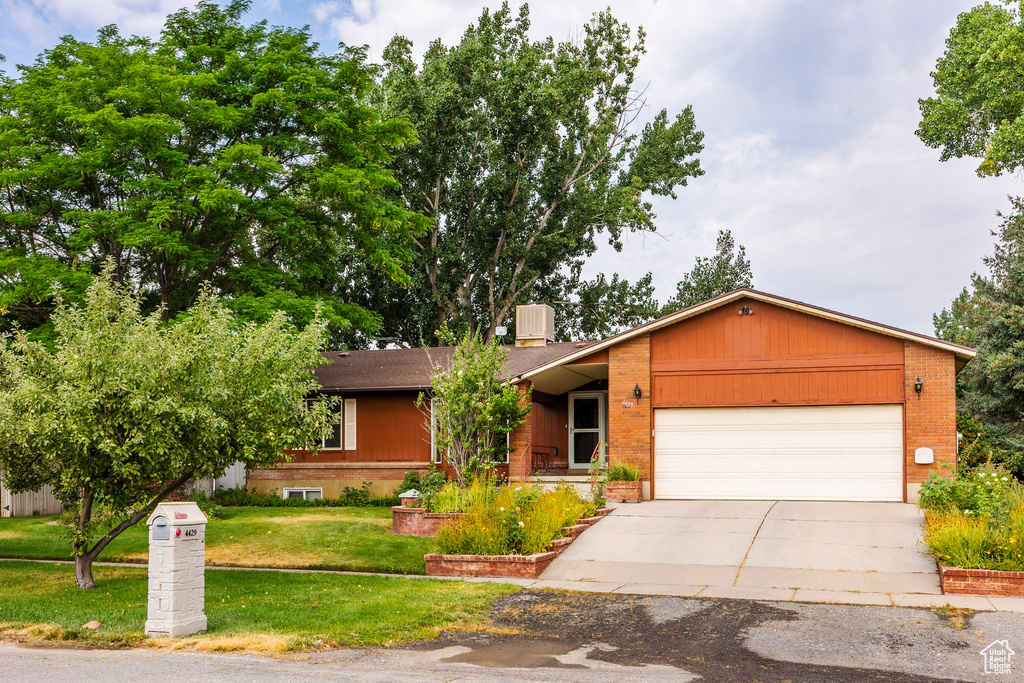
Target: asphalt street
594, 637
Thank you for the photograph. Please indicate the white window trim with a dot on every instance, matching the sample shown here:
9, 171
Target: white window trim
602, 423
306, 490
349, 420
435, 455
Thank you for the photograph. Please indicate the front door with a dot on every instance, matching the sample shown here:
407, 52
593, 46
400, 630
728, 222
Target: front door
586, 426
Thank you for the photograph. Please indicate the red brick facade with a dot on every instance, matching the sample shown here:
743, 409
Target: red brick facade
929, 417
520, 444
630, 420
981, 581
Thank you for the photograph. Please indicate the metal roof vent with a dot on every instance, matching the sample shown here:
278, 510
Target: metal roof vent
535, 325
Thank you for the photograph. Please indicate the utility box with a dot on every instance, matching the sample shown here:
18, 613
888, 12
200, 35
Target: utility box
177, 562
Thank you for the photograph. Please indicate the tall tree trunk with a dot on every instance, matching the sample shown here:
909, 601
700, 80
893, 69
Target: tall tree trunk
83, 571
83, 559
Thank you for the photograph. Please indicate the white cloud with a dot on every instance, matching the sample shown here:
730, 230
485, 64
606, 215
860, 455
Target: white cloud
808, 107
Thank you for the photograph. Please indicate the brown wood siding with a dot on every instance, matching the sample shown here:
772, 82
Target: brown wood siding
598, 357
776, 356
550, 425
389, 428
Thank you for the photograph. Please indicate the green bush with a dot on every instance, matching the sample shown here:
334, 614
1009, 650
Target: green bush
350, 497
512, 521
427, 484
623, 471
975, 521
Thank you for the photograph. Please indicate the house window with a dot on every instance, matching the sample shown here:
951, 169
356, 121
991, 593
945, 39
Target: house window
303, 493
343, 427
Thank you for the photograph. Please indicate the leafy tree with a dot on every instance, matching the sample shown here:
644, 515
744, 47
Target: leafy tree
712, 276
994, 379
125, 409
473, 408
526, 152
977, 108
222, 153
604, 307
957, 323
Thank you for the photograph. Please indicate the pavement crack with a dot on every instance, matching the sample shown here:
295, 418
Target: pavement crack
747, 554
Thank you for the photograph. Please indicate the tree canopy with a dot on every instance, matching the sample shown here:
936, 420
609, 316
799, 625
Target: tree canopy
125, 409
712, 276
978, 104
219, 153
527, 151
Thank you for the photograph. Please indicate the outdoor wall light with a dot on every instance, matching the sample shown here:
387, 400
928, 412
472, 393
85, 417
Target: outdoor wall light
636, 392
746, 311
918, 385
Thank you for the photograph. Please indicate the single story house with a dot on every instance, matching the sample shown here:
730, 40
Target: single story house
745, 396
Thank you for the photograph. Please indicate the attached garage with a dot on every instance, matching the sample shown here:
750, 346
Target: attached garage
753, 396
780, 453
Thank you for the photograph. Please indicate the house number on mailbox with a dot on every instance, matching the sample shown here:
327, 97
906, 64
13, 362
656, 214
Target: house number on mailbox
191, 532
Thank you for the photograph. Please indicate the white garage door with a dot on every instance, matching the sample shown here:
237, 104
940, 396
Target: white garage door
791, 453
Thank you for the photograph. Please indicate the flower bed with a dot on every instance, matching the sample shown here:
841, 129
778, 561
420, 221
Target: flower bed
509, 566
511, 532
974, 526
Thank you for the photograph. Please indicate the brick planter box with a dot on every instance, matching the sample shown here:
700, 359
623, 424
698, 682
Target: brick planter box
624, 491
501, 566
508, 566
981, 581
418, 522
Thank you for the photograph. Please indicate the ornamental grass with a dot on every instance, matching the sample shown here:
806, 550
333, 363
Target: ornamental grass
975, 521
513, 521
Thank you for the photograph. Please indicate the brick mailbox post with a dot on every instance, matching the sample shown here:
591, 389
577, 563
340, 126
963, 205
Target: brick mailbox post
177, 561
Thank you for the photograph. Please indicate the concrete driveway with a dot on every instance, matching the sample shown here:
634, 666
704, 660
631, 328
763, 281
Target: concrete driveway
774, 550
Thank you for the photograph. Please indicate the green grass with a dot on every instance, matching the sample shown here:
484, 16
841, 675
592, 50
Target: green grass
351, 539
248, 610
976, 542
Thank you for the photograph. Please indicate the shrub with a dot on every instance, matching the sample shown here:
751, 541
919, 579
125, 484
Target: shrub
427, 484
208, 505
350, 497
623, 471
512, 521
975, 521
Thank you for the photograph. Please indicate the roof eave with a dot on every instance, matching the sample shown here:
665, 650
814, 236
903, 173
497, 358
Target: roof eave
962, 352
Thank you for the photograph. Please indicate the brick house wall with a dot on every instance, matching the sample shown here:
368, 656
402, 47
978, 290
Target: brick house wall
630, 420
929, 417
520, 443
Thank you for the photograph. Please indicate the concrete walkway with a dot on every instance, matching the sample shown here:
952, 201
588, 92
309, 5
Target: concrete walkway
853, 553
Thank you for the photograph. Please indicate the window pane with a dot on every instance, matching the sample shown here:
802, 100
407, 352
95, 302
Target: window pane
334, 439
584, 444
293, 494
585, 413
314, 494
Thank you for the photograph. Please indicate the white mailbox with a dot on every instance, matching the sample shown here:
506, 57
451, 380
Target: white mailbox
924, 456
177, 561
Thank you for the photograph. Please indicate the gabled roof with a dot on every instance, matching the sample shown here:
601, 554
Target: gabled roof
410, 369
962, 353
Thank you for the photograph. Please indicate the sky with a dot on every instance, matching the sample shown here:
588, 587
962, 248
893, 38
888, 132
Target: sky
809, 110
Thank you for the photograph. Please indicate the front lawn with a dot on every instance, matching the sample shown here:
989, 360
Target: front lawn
246, 610
351, 539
